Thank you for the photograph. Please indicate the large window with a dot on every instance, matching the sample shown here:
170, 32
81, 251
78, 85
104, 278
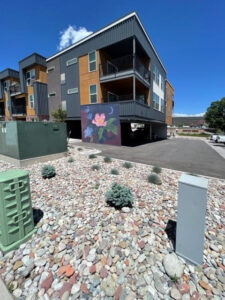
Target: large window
6, 85
155, 101
31, 101
156, 75
92, 61
30, 76
93, 93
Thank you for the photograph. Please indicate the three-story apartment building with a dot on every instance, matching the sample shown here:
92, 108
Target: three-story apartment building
108, 80
23, 93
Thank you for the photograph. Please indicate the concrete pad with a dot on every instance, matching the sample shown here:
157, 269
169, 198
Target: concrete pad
4, 293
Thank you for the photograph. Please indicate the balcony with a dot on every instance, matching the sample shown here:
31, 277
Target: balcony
117, 98
19, 110
124, 67
14, 89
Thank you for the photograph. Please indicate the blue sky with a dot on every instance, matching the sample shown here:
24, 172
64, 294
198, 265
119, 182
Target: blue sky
189, 36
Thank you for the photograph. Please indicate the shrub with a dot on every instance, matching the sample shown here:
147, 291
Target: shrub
91, 156
97, 185
156, 170
95, 167
114, 172
127, 165
107, 159
119, 196
70, 160
48, 171
154, 178
79, 149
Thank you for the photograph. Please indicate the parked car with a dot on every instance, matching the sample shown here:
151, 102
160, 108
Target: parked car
221, 139
214, 138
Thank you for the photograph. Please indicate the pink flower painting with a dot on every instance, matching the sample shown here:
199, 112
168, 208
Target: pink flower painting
99, 120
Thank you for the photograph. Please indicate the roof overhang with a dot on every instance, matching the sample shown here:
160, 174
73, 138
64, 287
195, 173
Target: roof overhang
133, 14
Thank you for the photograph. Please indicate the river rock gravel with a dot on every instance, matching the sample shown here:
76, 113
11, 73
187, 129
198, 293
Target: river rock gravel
84, 249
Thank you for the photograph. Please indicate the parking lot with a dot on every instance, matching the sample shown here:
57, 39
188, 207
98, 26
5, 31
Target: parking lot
183, 154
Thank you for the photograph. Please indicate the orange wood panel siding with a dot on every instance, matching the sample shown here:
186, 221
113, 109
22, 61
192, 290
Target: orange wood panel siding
88, 78
169, 103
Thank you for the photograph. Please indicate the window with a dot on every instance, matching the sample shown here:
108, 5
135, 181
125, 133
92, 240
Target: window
50, 69
30, 76
63, 78
155, 101
51, 94
92, 61
64, 104
72, 91
162, 83
6, 85
93, 93
162, 106
31, 101
156, 75
71, 61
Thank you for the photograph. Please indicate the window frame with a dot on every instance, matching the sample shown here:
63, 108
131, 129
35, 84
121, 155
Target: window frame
156, 102
70, 92
62, 105
31, 101
6, 85
63, 81
91, 94
29, 79
71, 61
89, 62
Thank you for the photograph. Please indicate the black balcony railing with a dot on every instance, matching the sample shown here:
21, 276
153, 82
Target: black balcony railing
123, 64
19, 110
116, 98
15, 89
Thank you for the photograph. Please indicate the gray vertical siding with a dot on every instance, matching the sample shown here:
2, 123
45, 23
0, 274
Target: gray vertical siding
41, 98
54, 85
1, 90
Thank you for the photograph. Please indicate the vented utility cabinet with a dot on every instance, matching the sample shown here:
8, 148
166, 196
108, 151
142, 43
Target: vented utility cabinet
16, 214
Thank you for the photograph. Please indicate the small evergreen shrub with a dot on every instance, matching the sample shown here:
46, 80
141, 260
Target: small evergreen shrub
48, 171
97, 185
119, 196
155, 179
91, 156
70, 160
79, 149
127, 165
114, 172
107, 159
156, 170
95, 167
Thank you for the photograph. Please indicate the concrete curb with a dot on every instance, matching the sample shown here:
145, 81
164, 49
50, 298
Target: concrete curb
4, 293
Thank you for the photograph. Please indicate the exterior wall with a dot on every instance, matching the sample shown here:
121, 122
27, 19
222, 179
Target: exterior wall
169, 103
87, 78
54, 85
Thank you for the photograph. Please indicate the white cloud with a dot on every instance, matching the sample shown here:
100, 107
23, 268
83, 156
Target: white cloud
71, 35
187, 115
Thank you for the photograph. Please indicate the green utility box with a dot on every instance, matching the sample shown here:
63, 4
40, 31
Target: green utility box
26, 140
16, 214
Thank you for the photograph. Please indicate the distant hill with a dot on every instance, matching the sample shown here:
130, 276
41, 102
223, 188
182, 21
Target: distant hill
188, 121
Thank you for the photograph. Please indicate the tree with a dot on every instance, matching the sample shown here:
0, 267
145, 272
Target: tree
215, 115
59, 115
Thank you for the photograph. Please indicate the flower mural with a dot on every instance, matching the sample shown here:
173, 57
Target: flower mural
100, 124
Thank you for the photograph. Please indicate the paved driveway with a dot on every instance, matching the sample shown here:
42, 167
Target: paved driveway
194, 156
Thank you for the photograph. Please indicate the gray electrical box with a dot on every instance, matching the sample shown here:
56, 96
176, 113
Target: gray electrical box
192, 204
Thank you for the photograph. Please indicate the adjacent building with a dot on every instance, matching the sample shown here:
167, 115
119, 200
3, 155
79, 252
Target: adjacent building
169, 103
23, 93
108, 80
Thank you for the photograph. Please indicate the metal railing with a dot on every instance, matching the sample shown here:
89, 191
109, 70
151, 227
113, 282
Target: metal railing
117, 98
19, 110
14, 89
124, 63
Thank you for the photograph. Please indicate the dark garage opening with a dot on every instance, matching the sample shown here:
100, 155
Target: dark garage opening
74, 129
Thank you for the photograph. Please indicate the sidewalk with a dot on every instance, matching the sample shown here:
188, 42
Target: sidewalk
4, 294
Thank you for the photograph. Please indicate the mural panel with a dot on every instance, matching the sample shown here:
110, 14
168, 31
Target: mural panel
101, 124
